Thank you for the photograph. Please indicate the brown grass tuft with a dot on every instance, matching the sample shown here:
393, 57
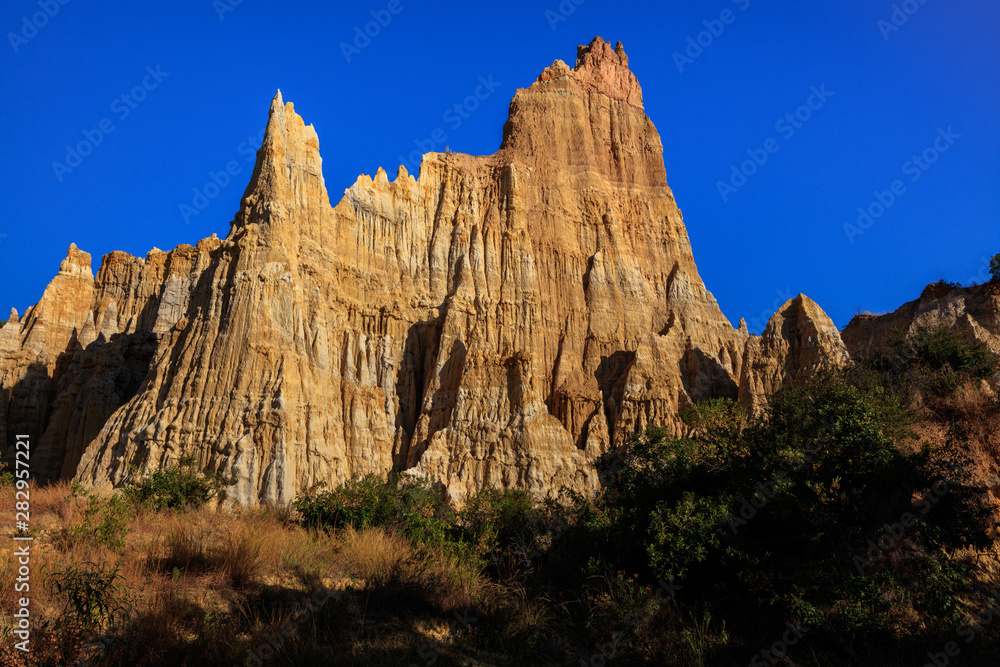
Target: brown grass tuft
240, 556
372, 555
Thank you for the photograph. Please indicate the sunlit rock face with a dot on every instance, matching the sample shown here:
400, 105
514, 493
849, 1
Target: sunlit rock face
498, 321
798, 338
973, 312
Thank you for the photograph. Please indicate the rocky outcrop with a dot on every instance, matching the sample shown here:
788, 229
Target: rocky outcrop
497, 321
972, 311
799, 337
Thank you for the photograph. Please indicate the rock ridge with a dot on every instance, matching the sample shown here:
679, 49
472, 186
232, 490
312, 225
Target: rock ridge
972, 311
497, 321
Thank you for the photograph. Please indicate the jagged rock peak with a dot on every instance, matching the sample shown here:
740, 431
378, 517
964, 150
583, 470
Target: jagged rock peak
77, 263
600, 68
496, 323
798, 337
288, 169
599, 51
587, 119
800, 314
607, 70
817, 339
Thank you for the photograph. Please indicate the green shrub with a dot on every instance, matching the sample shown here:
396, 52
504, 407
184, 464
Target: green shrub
684, 533
176, 487
6, 476
933, 360
772, 518
422, 513
504, 527
939, 349
995, 268
94, 594
362, 503
409, 504
105, 520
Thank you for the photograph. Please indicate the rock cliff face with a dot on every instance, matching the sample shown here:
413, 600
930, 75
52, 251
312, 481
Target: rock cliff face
800, 336
972, 311
497, 321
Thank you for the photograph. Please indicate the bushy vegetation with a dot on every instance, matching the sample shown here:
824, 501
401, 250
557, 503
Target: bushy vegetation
507, 529
821, 532
995, 268
104, 521
772, 521
178, 486
94, 593
405, 503
935, 361
941, 349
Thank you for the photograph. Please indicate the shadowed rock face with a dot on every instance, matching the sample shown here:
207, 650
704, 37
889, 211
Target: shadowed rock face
498, 321
798, 337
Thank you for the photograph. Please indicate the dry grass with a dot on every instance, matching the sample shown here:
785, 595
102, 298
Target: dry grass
976, 408
309, 557
240, 555
372, 555
210, 583
457, 585
210, 586
969, 418
51, 503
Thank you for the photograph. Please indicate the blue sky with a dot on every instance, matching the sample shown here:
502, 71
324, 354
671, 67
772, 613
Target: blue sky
881, 94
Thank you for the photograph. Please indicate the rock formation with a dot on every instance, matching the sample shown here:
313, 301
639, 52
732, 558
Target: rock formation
972, 311
799, 337
498, 321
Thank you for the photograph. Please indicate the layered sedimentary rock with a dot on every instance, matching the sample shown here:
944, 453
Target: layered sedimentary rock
498, 321
972, 311
799, 337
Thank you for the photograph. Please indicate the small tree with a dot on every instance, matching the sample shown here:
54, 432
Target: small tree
995, 268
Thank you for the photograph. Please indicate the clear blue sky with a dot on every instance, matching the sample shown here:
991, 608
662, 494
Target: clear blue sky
781, 232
